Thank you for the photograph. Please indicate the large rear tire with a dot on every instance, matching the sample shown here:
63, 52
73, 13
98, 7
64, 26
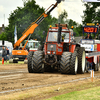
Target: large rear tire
74, 63
65, 63
29, 63
81, 60
37, 62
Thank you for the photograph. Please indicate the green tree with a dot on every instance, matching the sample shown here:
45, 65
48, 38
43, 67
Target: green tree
78, 30
23, 17
90, 12
3, 36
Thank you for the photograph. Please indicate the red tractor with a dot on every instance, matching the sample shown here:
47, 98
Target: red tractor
60, 52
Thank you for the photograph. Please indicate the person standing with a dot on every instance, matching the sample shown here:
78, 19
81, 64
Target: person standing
4, 53
7, 55
88, 36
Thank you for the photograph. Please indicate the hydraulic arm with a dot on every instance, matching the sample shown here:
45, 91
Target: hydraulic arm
33, 25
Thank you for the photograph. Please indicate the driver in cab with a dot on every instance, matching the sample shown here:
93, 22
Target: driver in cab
88, 36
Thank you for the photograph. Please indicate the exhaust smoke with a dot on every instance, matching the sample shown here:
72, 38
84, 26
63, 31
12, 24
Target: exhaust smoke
58, 1
59, 10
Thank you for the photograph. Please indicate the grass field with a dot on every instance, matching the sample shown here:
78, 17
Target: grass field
88, 94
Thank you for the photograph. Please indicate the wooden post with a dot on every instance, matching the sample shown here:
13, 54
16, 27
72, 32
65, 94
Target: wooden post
92, 75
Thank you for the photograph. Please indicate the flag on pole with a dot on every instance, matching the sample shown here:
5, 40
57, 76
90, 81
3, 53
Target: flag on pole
15, 35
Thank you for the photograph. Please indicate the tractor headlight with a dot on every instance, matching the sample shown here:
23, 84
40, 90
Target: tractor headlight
54, 52
48, 52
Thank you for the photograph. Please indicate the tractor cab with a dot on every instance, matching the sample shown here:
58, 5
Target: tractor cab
65, 36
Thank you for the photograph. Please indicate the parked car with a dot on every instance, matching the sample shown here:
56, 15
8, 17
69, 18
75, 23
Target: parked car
8, 45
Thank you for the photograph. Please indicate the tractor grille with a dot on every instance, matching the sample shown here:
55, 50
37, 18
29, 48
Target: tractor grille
49, 47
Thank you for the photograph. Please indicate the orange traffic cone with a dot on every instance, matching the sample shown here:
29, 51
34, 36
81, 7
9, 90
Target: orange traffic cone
2, 60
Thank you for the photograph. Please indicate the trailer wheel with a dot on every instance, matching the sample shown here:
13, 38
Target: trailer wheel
37, 62
10, 60
74, 63
25, 61
81, 60
29, 63
98, 66
15, 61
65, 63
94, 66
86, 66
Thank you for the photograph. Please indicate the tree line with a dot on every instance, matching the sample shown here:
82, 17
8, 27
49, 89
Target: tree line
22, 17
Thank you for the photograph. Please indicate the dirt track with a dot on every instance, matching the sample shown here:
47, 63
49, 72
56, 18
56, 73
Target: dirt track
15, 77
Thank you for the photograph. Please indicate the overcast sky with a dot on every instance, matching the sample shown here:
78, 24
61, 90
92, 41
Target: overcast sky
74, 9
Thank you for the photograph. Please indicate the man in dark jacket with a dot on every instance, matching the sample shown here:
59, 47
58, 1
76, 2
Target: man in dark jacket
7, 55
88, 36
4, 53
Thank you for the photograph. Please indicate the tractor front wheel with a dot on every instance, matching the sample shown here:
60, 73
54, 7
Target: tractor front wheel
29, 63
74, 63
65, 63
37, 62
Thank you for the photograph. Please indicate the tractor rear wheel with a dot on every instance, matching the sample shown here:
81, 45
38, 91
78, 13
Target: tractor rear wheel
65, 63
74, 63
37, 62
29, 64
81, 60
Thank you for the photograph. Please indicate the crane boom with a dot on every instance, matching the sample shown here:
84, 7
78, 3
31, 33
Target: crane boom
32, 27
19, 53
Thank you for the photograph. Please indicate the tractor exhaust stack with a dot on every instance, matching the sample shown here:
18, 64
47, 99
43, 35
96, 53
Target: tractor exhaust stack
58, 1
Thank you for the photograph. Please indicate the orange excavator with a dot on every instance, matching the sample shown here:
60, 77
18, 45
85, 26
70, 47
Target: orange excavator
19, 54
